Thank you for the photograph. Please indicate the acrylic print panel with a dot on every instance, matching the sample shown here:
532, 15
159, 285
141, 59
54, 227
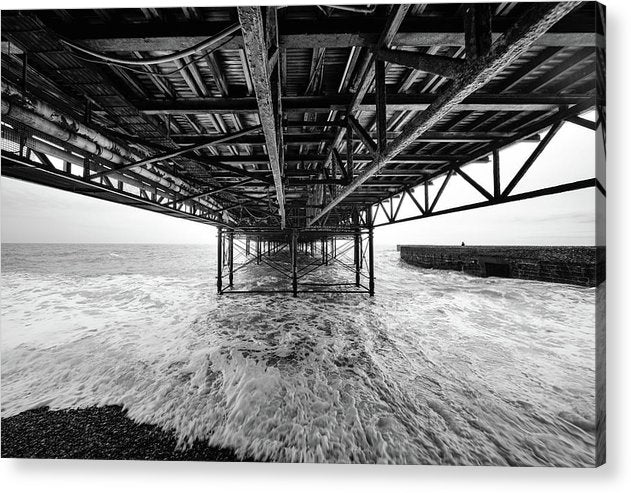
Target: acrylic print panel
315, 233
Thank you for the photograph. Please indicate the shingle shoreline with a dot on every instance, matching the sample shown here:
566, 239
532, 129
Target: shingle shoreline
97, 433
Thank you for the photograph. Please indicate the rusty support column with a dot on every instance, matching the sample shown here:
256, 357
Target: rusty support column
350, 166
322, 250
371, 253
496, 174
294, 269
219, 259
361, 252
230, 257
356, 256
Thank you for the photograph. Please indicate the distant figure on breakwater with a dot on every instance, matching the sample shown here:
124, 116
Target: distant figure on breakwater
462, 244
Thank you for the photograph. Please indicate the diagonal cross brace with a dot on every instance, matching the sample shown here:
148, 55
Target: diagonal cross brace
475, 74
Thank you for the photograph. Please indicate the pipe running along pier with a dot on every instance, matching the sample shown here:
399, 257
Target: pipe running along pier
296, 130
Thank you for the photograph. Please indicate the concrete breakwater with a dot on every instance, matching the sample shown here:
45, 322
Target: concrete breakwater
579, 265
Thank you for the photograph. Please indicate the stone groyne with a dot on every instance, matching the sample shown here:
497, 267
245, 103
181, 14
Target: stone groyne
583, 266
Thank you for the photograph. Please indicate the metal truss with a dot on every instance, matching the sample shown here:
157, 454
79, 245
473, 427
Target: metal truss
390, 207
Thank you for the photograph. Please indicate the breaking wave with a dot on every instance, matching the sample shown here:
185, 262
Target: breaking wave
439, 367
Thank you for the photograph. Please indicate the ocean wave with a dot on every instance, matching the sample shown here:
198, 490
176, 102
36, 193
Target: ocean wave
439, 367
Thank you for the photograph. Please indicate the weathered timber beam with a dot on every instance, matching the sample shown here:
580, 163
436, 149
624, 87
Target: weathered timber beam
535, 21
180, 152
397, 102
256, 49
434, 64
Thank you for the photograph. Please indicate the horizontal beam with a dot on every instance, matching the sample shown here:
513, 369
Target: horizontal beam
433, 64
297, 173
343, 32
314, 158
313, 138
398, 102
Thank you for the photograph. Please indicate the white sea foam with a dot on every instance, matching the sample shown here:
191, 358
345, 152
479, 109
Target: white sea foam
439, 367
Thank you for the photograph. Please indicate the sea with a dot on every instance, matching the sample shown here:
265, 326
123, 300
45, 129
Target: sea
439, 367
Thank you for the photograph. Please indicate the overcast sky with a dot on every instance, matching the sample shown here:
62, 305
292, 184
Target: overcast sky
32, 213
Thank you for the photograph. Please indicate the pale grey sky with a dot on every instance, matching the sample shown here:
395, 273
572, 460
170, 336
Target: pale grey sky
32, 213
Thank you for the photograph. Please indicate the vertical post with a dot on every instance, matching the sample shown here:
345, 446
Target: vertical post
371, 259
496, 174
294, 269
361, 251
426, 187
477, 26
380, 90
86, 168
326, 252
356, 255
322, 250
230, 257
219, 258
350, 167
258, 250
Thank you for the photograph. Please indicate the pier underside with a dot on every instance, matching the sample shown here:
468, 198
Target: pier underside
296, 130
298, 261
